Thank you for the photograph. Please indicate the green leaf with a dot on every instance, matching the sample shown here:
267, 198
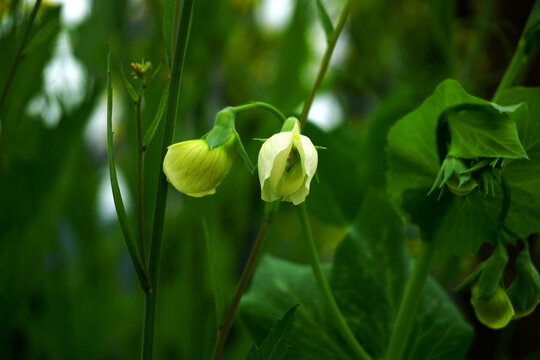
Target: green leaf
458, 224
151, 131
277, 286
325, 20
117, 195
275, 344
522, 218
370, 270
478, 130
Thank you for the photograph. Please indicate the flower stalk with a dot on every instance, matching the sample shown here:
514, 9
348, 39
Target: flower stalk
324, 288
177, 65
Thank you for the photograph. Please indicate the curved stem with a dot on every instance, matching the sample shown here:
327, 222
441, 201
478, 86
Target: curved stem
224, 329
177, 65
410, 302
261, 105
325, 61
324, 288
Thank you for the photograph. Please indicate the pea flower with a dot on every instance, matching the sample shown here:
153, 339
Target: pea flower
287, 163
197, 167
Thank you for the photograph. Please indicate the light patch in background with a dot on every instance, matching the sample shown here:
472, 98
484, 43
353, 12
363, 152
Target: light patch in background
73, 11
105, 206
95, 134
326, 112
64, 84
274, 15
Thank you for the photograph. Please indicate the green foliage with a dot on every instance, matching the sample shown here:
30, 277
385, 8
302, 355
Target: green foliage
368, 275
461, 224
275, 344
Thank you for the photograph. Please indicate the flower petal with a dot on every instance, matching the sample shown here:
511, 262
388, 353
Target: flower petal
272, 162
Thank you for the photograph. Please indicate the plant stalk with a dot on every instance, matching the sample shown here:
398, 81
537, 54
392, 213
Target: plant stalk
140, 177
522, 55
18, 56
177, 65
325, 61
324, 288
410, 302
224, 329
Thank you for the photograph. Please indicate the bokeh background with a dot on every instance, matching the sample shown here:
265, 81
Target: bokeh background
67, 286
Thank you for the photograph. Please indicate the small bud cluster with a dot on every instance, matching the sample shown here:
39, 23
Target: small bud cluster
139, 70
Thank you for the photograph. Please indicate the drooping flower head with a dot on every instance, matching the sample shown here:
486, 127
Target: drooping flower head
197, 167
287, 163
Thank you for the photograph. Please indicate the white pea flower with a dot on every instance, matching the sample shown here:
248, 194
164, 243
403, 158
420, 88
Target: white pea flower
287, 163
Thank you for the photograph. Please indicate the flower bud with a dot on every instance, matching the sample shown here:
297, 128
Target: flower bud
287, 163
494, 312
524, 292
196, 169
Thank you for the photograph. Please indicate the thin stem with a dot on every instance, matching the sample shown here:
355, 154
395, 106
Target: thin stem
261, 105
140, 176
410, 302
522, 54
325, 61
519, 60
224, 329
18, 56
479, 41
177, 65
324, 288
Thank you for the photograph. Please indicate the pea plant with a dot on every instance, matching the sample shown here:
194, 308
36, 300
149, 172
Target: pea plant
461, 170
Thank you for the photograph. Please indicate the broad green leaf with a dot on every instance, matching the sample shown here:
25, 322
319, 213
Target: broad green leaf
371, 268
277, 286
457, 224
523, 176
325, 20
275, 344
368, 276
117, 195
483, 131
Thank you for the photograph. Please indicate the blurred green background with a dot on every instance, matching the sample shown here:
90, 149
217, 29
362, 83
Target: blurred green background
67, 286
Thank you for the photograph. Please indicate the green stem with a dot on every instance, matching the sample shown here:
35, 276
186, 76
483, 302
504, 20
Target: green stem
224, 329
261, 105
161, 196
410, 302
519, 60
522, 54
140, 177
18, 56
324, 288
325, 61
